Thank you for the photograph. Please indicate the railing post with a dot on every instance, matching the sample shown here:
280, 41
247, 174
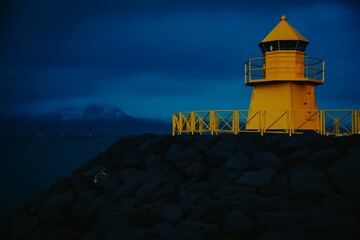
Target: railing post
358, 121
322, 122
336, 125
356, 126
235, 122
262, 122
290, 123
319, 131
173, 124
201, 125
180, 123
212, 122
192, 122
353, 121
245, 72
249, 70
323, 70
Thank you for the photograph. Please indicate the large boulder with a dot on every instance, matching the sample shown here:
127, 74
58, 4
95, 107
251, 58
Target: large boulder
266, 159
256, 178
297, 158
345, 175
239, 161
324, 157
237, 224
304, 179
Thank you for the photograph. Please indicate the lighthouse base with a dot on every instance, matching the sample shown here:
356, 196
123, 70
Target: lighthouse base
283, 105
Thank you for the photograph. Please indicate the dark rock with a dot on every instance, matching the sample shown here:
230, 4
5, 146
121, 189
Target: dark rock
197, 169
156, 173
247, 147
280, 185
157, 145
107, 187
171, 213
64, 197
330, 225
186, 157
342, 205
130, 159
192, 190
301, 204
298, 158
62, 185
132, 177
204, 143
164, 229
173, 151
279, 219
124, 231
126, 204
87, 207
81, 224
54, 215
192, 229
168, 191
42, 231
21, 224
324, 157
287, 233
237, 224
229, 191
145, 192
203, 187
240, 161
345, 175
355, 150
222, 177
96, 175
219, 153
150, 160
270, 203
288, 145
107, 208
59, 220
175, 177
305, 178
78, 183
265, 159
256, 178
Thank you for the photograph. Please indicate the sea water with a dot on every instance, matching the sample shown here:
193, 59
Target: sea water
31, 164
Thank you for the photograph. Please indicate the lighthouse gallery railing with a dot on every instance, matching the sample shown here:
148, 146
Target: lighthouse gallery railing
331, 122
313, 68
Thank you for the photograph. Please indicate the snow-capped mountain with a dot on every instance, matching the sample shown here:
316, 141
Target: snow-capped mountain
93, 112
66, 113
90, 112
90, 120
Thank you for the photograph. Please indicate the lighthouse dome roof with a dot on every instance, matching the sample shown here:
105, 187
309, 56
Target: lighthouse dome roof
284, 31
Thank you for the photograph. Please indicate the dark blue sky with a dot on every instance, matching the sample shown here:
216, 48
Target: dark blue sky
153, 58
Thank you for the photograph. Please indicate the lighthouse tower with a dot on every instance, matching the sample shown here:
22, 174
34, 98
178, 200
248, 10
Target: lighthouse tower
283, 82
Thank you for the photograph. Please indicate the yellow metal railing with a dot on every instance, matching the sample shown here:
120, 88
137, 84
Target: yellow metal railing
330, 122
313, 68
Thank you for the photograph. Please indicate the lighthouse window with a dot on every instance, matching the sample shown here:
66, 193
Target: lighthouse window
271, 46
288, 45
301, 46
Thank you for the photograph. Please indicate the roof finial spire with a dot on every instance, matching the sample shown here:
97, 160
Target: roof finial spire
283, 18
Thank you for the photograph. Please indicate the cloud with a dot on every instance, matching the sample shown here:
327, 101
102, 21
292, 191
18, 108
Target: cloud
167, 51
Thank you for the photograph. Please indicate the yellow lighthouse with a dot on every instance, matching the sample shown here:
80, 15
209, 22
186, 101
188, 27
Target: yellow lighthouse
283, 82
283, 97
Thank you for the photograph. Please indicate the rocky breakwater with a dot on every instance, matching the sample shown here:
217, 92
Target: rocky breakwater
203, 187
